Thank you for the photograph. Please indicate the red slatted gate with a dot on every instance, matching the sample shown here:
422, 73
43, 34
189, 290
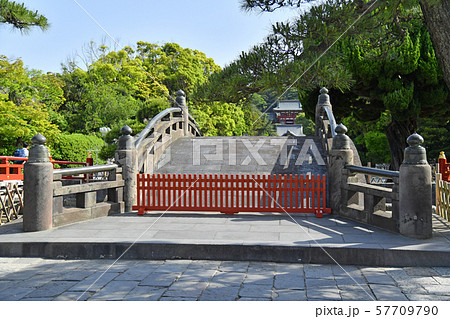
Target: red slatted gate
231, 194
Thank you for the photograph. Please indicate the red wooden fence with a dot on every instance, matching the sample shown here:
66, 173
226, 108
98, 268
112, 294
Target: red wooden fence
11, 171
231, 194
444, 167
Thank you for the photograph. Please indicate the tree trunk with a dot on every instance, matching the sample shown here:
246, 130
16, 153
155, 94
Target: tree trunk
397, 132
437, 19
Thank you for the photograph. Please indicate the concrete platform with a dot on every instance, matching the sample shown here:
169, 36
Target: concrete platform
242, 237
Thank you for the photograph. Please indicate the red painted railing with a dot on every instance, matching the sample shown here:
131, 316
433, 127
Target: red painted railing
444, 167
11, 171
231, 194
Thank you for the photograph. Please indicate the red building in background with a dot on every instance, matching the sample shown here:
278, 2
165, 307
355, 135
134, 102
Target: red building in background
287, 110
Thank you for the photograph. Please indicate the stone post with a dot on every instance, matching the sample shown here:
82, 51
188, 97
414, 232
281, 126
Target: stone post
340, 155
126, 158
181, 103
324, 99
415, 202
38, 187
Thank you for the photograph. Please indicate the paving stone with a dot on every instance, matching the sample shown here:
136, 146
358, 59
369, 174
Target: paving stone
421, 271
419, 281
290, 269
22, 274
355, 295
345, 270
51, 289
323, 293
387, 293
438, 290
443, 280
220, 293
38, 280
427, 297
204, 264
145, 293
259, 279
443, 271
258, 265
172, 267
75, 275
346, 280
73, 296
289, 295
289, 281
398, 274
312, 282
15, 293
189, 289
178, 299
7, 284
231, 266
37, 299
256, 291
379, 278
318, 271
196, 275
65, 266
115, 290
160, 279
118, 266
414, 290
94, 282
136, 273
253, 299
229, 278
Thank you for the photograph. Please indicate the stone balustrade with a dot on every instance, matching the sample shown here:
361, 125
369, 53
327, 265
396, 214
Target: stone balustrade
96, 198
140, 154
44, 202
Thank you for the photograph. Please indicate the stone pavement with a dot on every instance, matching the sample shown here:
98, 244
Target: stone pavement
169, 280
241, 237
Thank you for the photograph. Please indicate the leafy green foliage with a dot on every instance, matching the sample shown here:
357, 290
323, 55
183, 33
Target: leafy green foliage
20, 17
151, 108
219, 119
27, 100
307, 124
75, 147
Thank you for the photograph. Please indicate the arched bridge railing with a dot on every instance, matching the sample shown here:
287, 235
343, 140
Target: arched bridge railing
163, 129
325, 121
326, 125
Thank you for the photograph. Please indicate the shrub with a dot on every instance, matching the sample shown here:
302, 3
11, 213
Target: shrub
74, 147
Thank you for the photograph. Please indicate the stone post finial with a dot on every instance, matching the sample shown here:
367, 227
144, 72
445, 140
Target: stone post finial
324, 98
341, 141
442, 155
126, 141
38, 187
181, 99
39, 152
415, 153
181, 103
415, 191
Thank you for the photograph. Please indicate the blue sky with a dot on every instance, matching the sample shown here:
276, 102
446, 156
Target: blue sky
219, 28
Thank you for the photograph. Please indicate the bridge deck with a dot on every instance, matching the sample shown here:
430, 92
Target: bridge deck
245, 236
244, 155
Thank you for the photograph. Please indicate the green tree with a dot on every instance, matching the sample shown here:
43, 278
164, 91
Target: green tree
307, 124
27, 99
436, 17
20, 17
126, 86
219, 119
393, 68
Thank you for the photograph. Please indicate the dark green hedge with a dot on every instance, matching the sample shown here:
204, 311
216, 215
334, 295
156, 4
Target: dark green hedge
74, 147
